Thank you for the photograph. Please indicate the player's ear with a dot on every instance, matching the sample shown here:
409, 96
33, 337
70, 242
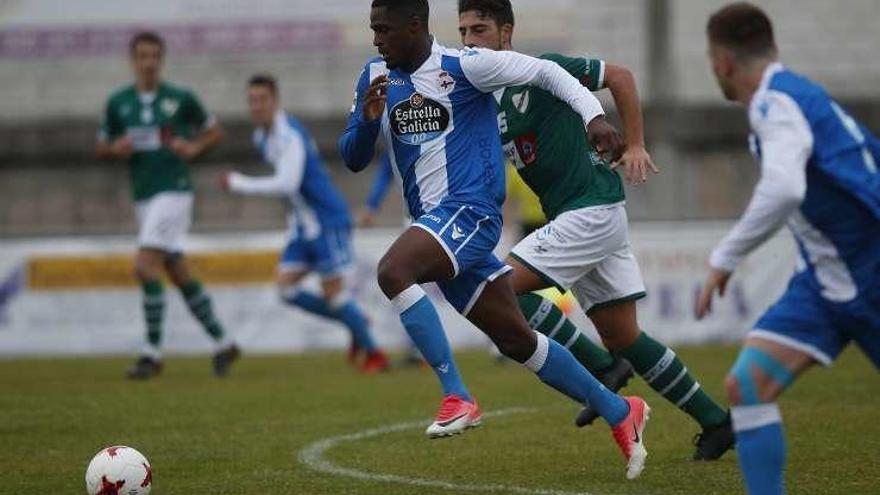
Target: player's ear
507, 36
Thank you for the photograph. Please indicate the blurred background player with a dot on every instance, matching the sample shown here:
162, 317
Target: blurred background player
320, 222
157, 128
585, 246
453, 182
819, 176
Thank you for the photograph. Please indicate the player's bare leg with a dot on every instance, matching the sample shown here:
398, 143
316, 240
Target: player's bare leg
148, 268
761, 373
199, 303
416, 257
497, 314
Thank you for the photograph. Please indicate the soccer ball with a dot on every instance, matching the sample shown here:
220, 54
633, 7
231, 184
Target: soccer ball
119, 470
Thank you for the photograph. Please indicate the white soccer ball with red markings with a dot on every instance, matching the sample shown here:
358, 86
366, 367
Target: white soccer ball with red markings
119, 470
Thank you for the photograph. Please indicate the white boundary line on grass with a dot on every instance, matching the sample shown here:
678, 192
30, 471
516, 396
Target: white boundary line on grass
313, 457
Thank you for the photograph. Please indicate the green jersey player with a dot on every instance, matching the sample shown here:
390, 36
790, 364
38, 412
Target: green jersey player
157, 128
585, 247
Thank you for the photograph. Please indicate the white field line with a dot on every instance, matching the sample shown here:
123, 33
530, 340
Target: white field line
313, 457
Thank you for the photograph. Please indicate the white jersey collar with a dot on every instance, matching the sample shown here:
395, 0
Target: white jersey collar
771, 70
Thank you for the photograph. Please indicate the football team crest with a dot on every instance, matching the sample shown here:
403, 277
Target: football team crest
446, 82
169, 106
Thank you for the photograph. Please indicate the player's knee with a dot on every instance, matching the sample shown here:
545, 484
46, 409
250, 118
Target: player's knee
518, 346
756, 378
287, 291
393, 279
731, 388
146, 271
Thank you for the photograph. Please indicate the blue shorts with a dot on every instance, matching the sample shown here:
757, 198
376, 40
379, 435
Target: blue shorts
329, 254
803, 320
468, 233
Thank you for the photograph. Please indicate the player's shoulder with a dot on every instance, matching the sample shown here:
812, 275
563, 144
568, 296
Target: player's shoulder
783, 97
554, 57
121, 94
177, 90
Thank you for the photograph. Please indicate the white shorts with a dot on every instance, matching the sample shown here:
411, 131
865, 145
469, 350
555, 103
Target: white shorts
164, 221
587, 251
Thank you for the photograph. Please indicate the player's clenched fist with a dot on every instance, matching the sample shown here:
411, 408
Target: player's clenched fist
375, 97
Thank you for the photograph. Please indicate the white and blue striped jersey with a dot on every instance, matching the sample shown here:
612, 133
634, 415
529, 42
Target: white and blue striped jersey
819, 175
314, 202
440, 122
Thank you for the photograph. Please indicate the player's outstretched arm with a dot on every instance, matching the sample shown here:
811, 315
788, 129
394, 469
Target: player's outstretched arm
786, 145
286, 180
636, 161
490, 70
357, 145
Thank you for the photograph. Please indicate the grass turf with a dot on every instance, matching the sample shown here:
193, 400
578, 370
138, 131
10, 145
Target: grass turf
242, 435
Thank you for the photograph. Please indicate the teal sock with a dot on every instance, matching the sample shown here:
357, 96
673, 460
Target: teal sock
545, 317
154, 310
200, 306
664, 372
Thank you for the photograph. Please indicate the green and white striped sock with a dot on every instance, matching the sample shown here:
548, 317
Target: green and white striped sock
154, 311
664, 372
545, 317
200, 306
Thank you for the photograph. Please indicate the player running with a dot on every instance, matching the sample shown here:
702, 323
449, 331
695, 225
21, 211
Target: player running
819, 176
320, 223
157, 128
435, 109
585, 245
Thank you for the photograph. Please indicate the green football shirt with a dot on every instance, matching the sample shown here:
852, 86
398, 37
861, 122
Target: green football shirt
547, 143
151, 121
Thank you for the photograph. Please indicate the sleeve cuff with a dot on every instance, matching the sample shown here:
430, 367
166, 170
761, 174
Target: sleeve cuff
236, 182
720, 261
588, 108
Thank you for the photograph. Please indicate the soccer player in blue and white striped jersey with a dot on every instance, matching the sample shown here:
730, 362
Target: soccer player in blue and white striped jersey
819, 177
319, 218
435, 110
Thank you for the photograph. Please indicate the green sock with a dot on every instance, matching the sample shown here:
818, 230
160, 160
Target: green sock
664, 372
154, 310
199, 304
545, 317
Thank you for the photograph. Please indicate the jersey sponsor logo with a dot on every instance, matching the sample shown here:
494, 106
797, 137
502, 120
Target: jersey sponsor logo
446, 82
418, 120
521, 101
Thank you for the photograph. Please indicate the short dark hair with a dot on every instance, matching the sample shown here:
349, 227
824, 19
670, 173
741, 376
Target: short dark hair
150, 37
407, 8
743, 28
499, 11
265, 80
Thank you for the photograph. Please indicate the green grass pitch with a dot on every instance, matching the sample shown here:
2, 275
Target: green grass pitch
243, 435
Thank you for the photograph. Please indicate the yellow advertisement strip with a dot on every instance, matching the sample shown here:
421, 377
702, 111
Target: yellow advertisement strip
111, 271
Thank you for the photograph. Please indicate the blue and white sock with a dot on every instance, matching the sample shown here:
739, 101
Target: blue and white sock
348, 312
310, 302
558, 368
423, 325
760, 446
344, 310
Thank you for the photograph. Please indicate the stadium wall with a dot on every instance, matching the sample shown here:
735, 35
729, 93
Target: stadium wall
75, 295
